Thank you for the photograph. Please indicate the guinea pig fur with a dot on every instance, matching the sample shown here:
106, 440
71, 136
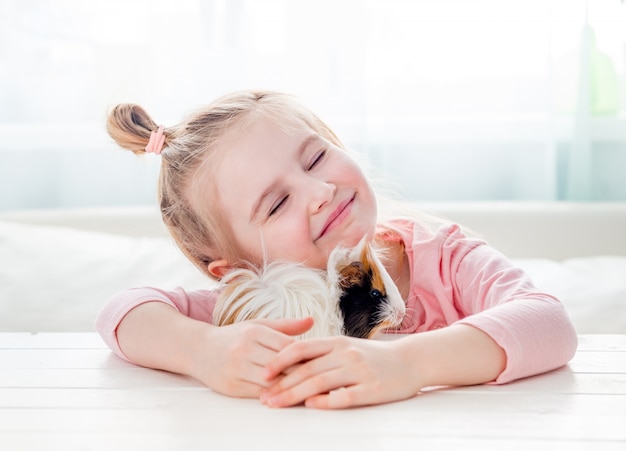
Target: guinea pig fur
279, 290
368, 298
354, 297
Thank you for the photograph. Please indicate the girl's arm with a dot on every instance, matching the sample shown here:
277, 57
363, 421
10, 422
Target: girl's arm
502, 328
227, 359
343, 372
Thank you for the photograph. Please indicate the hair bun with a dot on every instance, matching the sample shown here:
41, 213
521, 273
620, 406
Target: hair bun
130, 126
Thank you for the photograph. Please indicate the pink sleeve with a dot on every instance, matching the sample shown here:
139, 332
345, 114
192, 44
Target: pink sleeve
492, 295
194, 304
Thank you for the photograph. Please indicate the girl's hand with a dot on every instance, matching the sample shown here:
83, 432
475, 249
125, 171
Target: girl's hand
231, 359
227, 359
339, 372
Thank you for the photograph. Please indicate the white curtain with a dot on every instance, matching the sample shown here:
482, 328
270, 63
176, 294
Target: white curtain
452, 99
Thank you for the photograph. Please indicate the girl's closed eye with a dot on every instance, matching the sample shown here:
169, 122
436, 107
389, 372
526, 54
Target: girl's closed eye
318, 159
278, 205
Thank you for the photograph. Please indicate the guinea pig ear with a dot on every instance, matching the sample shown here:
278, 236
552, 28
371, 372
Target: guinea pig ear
356, 253
352, 275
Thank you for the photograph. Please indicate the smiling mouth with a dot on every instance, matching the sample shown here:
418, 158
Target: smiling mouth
334, 215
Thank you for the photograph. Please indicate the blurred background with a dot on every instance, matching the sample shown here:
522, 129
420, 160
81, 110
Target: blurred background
453, 100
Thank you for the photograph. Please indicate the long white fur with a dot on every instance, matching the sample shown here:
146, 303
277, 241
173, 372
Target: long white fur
291, 290
280, 290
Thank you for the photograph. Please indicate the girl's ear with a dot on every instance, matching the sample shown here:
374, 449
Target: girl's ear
219, 268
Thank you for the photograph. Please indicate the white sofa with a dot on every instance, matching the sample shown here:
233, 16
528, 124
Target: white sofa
58, 267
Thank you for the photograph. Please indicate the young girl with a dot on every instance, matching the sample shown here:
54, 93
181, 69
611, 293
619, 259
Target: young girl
257, 176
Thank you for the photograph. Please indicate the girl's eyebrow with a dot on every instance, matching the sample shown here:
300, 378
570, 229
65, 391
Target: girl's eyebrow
301, 148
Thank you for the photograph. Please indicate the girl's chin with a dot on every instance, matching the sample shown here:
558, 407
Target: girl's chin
350, 240
316, 263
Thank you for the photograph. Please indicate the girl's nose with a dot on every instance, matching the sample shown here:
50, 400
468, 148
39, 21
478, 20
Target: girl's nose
321, 194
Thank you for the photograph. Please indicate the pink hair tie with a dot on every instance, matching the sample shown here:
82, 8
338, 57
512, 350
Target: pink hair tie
157, 140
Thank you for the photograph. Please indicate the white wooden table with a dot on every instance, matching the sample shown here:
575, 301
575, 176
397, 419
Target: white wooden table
68, 391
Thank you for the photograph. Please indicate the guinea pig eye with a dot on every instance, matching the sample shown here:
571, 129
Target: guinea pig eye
376, 294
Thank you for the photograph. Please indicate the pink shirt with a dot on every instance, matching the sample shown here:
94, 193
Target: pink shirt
454, 280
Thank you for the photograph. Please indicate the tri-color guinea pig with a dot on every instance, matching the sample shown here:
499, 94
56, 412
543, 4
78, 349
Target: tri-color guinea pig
355, 296
369, 301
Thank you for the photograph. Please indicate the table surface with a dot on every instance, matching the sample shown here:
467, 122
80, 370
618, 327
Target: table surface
68, 391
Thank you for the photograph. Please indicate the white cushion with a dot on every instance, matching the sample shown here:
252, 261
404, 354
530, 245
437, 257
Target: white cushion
57, 279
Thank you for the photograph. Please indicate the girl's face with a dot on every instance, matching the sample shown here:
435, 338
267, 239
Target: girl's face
292, 195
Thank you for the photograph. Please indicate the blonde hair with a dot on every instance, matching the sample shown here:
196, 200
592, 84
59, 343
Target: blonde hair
194, 145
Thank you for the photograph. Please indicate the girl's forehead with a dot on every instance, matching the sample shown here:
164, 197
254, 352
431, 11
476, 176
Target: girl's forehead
290, 124
262, 133
246, 130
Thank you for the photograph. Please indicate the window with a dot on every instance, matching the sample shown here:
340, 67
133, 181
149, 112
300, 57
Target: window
454, 100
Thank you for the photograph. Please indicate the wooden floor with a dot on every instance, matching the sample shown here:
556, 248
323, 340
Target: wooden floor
68, 391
